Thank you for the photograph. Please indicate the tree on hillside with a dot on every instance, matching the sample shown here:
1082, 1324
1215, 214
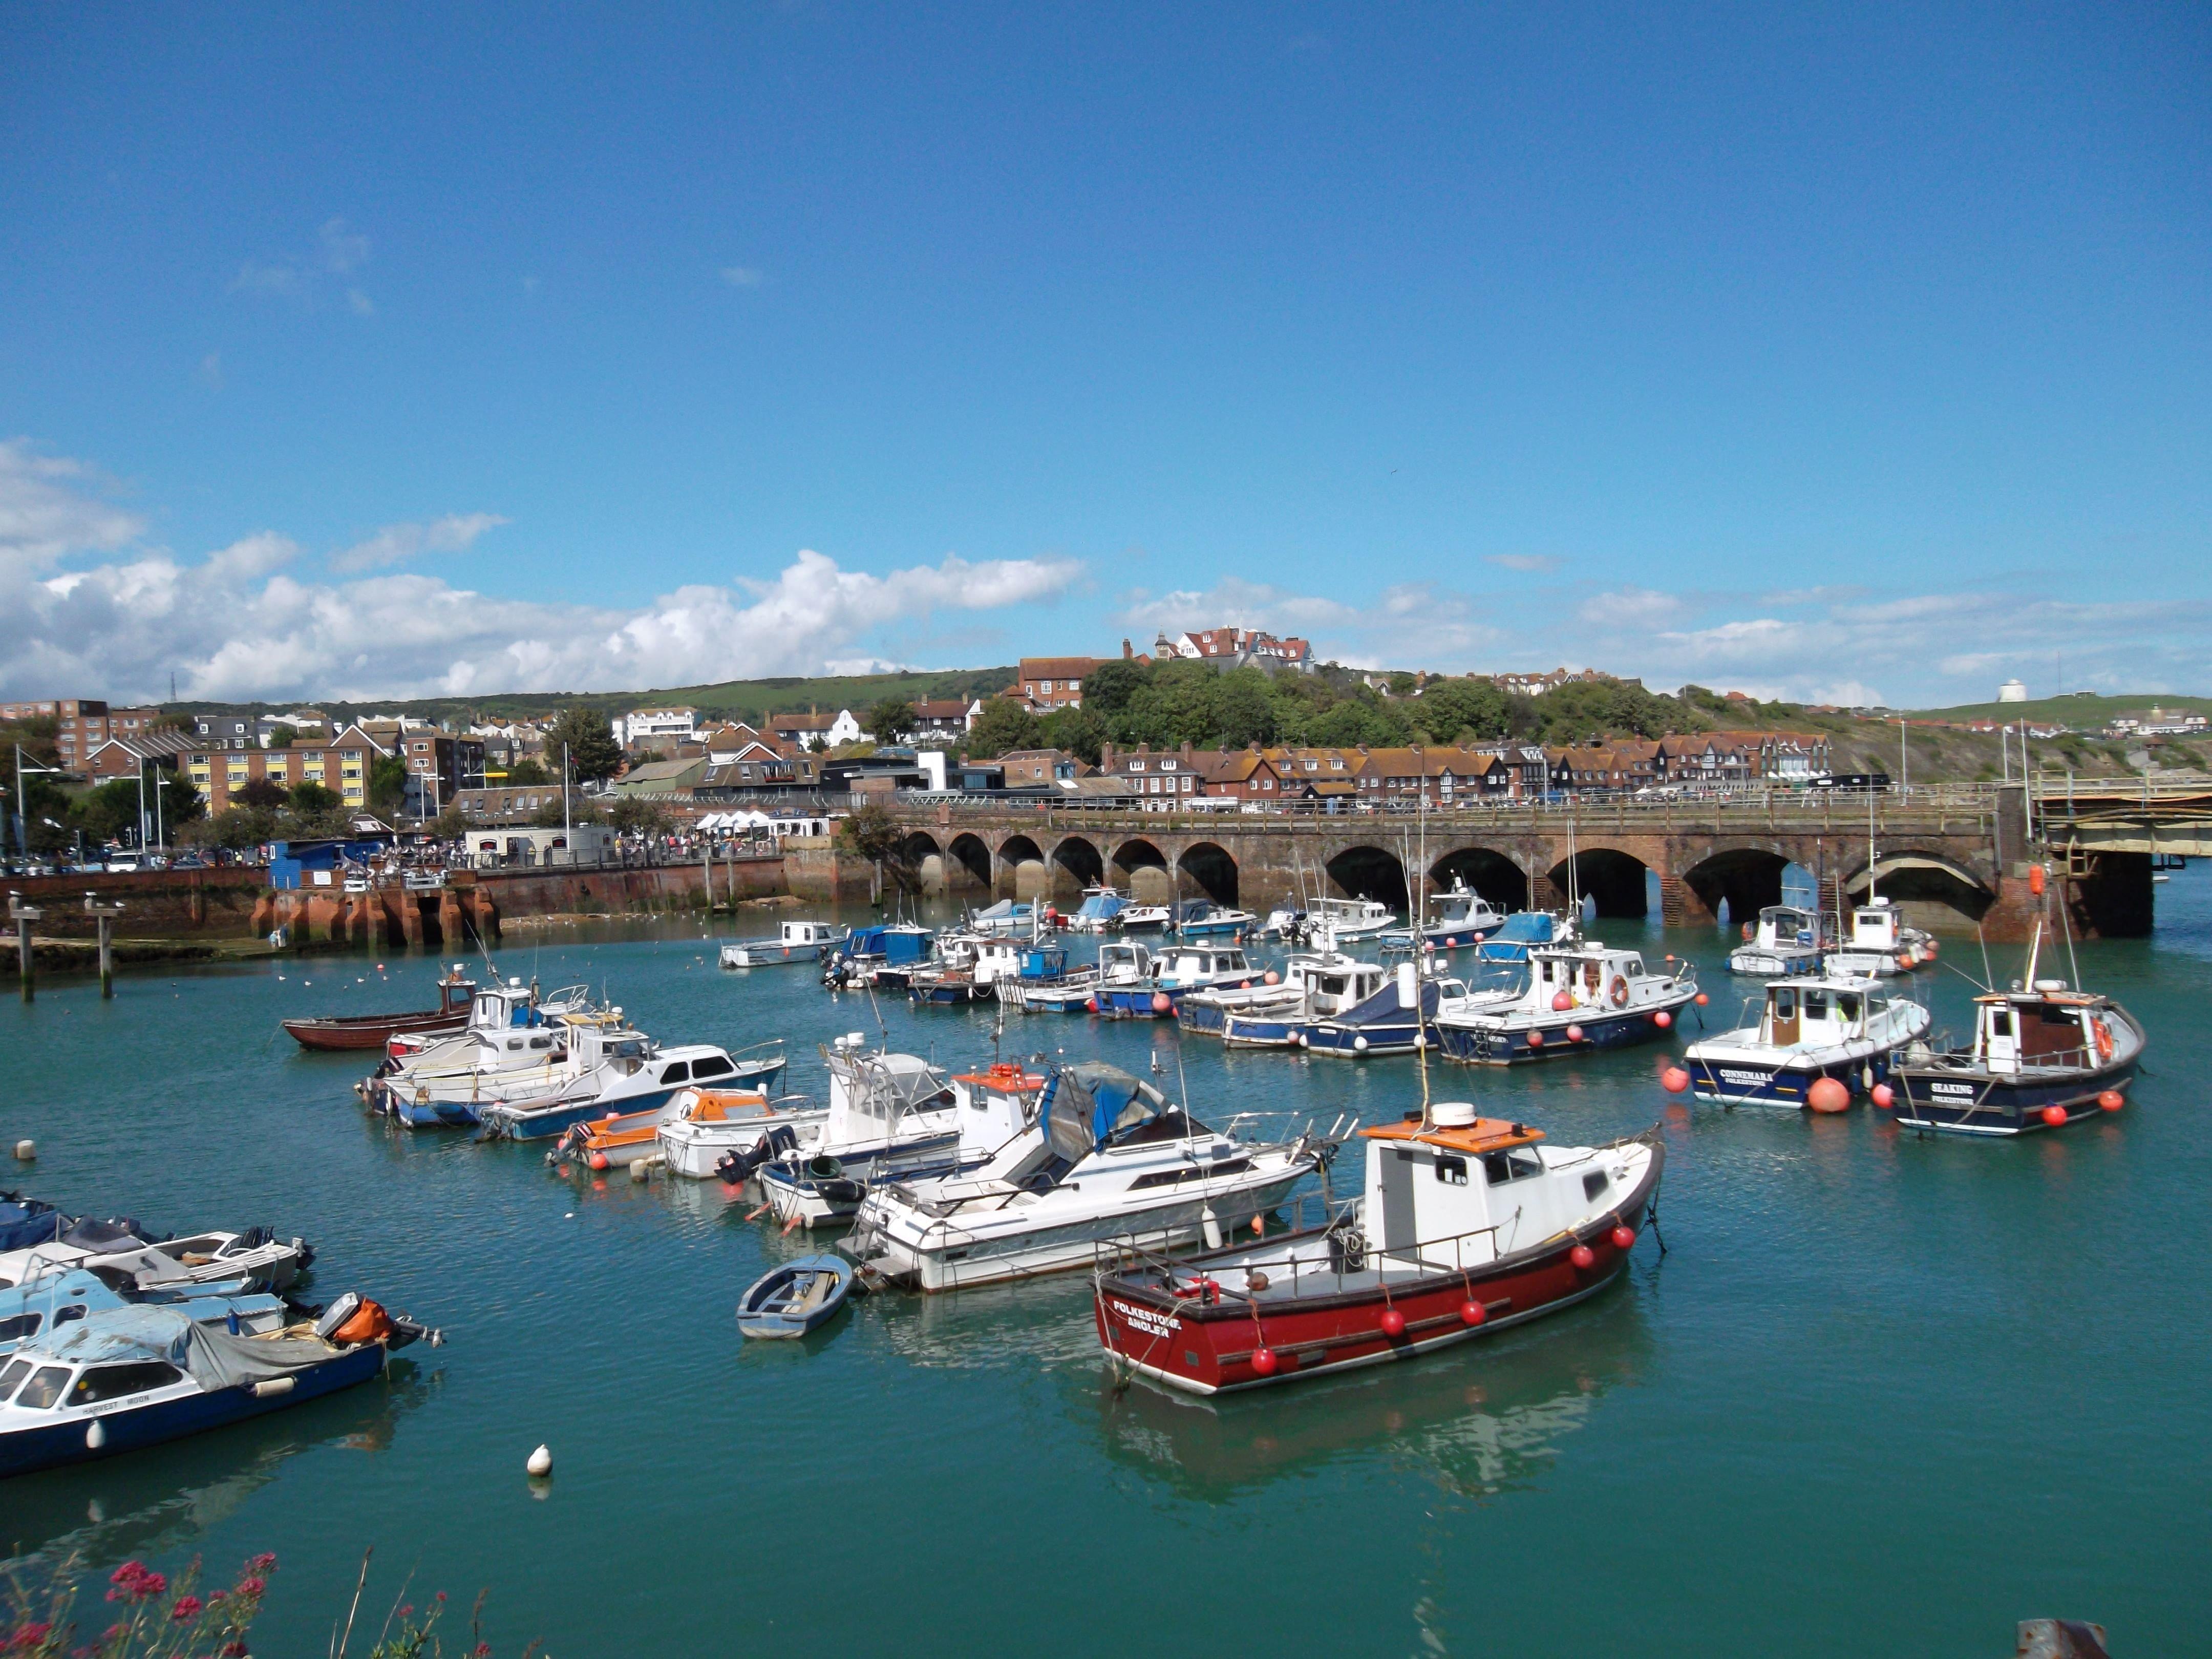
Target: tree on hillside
525, 772
387, 783
892, 720
310, 797
1108, 686
108, 812
551, 814
1450, 709
1077, 731
181, 803
633, 816
871, 832
261, 794
592, 752
1003, 725
282, 737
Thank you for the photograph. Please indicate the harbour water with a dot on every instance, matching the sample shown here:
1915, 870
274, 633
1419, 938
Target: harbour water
1882, 1394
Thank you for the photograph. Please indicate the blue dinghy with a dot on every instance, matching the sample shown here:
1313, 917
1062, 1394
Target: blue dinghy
796, 1298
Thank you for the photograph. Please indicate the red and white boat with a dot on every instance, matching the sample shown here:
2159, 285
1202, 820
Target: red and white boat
1467, 1225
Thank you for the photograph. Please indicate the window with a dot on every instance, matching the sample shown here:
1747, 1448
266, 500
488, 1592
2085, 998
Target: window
679, 1072
113, 1382
1452, 1171
2001, 1023
1499, 1168
43, 1391
1594, 1184
1847, 1005
1785, 1003
14, 1330
713, 1066
10, 1375
1816, 1004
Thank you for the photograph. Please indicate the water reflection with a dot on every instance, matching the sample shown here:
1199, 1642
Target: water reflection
1481, 1419
162, 1499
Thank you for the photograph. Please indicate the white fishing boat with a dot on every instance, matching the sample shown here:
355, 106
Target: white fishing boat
123, 1255
888, 1115
1454, 918
1786, 940
622, 1073
1172, 973
1876, 943
1106, 1158
1100, 911
793, 942
1566, 999
1147, 918
1006, 920
1346, 919
728, 1133
1314, 985
1808, 1031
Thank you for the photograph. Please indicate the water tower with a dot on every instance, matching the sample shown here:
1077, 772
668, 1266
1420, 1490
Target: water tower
2012, 691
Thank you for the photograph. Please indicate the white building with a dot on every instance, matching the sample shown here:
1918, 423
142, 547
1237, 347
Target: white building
2012, 691
656, 725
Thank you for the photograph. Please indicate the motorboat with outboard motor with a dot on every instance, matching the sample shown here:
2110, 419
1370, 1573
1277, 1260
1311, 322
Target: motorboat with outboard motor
28, 1221
496, 1013
1204, 919
513, 1042
2043, 1055
726, 1133
1174, 972
792, 942
71, 1293
1456, 917
1104, 1156
1146, 918
1785, 941
1007, 919
1568, 998
130, 1255
880, 955
121, 1379
948, 978
888, 1114
1100, 911
1876, 944
624, 1074
1808, 1029
1467, 1225
327, 1032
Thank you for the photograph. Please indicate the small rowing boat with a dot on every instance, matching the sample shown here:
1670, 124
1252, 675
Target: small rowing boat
796, 1298
329, 1033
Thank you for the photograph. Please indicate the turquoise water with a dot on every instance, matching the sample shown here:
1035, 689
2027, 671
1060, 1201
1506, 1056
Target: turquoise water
1884, 1394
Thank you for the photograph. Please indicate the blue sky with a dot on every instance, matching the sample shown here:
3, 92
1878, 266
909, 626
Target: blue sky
1855, 353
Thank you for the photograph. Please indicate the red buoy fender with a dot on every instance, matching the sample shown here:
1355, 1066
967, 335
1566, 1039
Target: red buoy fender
1263, 1361
1393, 1323
1583, 1256
2055, 1116
1624, 1238
2111, 1100
1472, 1312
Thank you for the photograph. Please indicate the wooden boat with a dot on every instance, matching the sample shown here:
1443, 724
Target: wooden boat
796, 1298
350, 1032
1467, 1225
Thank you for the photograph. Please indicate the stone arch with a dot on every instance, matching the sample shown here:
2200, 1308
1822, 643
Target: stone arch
968, 861
1022, 870
1748, 877
1935, 892
1366, 871
1493, 874
1077, 864
1615, 879
919, 852
1210, 866
1143, 869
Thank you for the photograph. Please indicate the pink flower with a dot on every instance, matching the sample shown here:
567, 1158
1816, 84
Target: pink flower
129, 1573
482, 1650
187, 1609
234, 1649
252, 1586
263, 1563
29, 1636
151, 1585
441, 1595
407, 1611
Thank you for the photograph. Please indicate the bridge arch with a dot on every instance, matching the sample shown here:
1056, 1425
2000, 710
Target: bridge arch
1493, 874
1023, 872
1748, 877
1613, 880
1932, 890
919, 853
1209, 865
968, 861
1077, 864
1143, 869
1366, 871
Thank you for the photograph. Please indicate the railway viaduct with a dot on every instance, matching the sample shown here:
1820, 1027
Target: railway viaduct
1954, 856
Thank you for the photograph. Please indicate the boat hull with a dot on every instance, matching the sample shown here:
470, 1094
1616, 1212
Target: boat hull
1762, 964
1361, 1042
52, 1445
1503, 1045
1743, 1083
1949, 1103
361, 1031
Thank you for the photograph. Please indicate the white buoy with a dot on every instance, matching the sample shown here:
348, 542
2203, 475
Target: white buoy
27, 1150
638, 1171
1210, 1227
541, 1461
95, 1437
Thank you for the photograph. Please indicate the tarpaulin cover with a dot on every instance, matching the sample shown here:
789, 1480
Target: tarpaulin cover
215, 1359
1510, 943
1384, 1008
28, 1221
1092, 1102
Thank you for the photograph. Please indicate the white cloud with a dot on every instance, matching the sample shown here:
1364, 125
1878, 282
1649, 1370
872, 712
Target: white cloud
397, 543
1628, 607
743, 277
1524, 561
240, 623
344, 248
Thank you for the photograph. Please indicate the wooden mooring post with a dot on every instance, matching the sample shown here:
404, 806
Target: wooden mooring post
23, 916
105, 913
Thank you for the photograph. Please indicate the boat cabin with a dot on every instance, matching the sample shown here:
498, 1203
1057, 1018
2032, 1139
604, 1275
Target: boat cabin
1353, 915
1334, 984
1814, 1013
1199, 964
995, 1106
1467, 1190
1590, 976
1462, 907
895, 945
1123, 963
1784, 926
808, 935
1007, 958
1876, 925
2048, 1026
872, 1096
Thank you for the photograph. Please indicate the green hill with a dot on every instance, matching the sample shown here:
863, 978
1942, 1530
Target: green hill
2084, 709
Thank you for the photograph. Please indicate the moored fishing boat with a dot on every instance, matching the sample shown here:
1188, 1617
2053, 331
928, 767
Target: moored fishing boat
69, 1294
793, 942
882, 955
1339, 919
456, 996
621, 1075
1097, 1154
1786, 940
888, 1114
1171, 974
1313, 985
1456, 918
1568, 998
1100, 911
1876, 943
726, 1133
1203, 919
2041, 1058
1466, 1226
1810, 1030
1385, 1023
1523, 931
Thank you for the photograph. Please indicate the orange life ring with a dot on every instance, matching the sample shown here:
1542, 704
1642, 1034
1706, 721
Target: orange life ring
2103, 1033
1619, 991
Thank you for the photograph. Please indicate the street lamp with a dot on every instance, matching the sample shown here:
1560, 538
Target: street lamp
22, 826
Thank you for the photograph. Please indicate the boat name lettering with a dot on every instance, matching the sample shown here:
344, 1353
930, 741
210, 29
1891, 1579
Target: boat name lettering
1146, 1319
1749, 1079
1951, 1089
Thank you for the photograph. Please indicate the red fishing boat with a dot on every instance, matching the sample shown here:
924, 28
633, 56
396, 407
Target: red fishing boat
1467, 1225
455, 993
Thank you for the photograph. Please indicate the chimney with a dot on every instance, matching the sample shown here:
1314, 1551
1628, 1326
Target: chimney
1105, 756
1186, 748
1128, 651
